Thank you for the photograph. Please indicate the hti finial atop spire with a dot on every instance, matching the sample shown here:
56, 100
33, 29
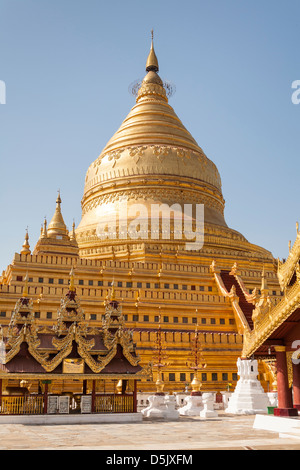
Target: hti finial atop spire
58, 200
152, 62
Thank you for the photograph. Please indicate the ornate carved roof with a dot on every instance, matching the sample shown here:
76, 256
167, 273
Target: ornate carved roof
31, 349
286, 270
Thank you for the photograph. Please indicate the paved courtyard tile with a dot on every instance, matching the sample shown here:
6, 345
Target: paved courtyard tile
186, 434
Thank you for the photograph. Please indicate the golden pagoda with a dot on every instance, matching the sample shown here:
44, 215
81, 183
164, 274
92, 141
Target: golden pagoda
152, 161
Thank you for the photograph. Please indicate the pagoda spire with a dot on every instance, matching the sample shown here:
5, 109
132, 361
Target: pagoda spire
26, 247
152, 62
73, 233
44, 231
57, 226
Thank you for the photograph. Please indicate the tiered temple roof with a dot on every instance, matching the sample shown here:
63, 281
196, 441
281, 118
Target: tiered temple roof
70, 346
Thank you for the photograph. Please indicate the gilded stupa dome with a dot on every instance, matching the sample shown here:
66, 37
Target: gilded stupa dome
151, 159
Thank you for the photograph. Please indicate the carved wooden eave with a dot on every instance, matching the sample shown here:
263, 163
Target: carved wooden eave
240, 319
146, 372
272, 321
25, 336
49, 348
286, 270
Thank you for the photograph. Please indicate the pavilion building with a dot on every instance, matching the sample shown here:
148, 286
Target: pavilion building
37, 360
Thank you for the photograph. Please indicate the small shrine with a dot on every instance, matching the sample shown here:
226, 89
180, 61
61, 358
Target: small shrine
69, 367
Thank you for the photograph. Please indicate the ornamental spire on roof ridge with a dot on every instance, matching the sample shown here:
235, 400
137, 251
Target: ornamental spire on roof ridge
72, 284
25, 287
264, 285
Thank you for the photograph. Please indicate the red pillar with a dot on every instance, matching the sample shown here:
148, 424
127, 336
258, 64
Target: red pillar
285, 404
296, 385
93, 396
135, 397
46, 399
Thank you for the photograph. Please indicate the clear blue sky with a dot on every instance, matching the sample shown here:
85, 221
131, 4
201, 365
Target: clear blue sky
67, 65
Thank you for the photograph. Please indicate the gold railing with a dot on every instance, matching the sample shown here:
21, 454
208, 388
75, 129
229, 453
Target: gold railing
33, 405
13, 405
114, 404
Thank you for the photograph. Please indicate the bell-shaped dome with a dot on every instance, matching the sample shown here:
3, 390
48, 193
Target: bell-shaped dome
152, 141
151, 159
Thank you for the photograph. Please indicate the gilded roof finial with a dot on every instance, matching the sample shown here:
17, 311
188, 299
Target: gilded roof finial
72, 285
113, 293
58, 200
264, 285
73, 233
152, 62
44, 230
25, 288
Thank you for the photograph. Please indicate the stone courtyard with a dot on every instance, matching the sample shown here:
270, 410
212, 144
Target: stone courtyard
187, 434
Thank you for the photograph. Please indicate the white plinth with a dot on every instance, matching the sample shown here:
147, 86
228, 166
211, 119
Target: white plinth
72, 418
225, 398
208, 406
273, 398
156, 408
287, 427
171, 412
161, 407
193, 406
249, 396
